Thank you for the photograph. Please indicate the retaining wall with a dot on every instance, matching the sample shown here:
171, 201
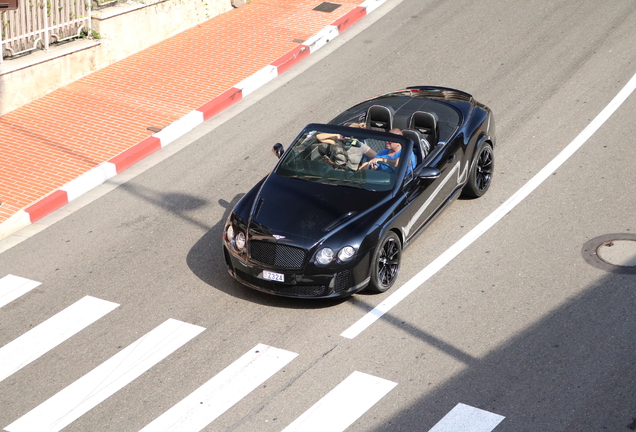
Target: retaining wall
124, 29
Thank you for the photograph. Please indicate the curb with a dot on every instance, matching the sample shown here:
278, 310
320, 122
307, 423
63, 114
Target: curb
109, 169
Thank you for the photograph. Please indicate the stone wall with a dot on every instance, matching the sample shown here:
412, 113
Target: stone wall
124, 29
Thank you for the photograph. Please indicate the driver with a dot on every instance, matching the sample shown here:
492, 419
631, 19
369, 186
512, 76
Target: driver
389, 156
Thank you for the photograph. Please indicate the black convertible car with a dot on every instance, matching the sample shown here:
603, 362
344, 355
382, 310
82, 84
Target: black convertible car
333, 217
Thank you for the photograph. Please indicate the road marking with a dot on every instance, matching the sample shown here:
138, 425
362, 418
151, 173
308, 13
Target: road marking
12, 287
466, 418
102, 382
343, 405
52, 332
219, 394
491, 219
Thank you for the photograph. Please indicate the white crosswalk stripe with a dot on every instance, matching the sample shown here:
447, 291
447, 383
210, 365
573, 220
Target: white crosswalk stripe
224, 390
466, 418
12, 287
334, 412
343, 405
52, 332
93, 388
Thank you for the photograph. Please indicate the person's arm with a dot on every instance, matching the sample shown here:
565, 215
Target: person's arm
373, 163
328, 138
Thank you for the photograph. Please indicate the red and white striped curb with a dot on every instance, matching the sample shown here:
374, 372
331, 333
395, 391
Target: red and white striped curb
185, 124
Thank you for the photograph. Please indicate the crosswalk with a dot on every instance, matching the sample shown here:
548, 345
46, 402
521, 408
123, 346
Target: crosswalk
216, 396
334, 412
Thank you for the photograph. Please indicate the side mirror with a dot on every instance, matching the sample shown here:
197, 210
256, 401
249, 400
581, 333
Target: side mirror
429, 173
278, 150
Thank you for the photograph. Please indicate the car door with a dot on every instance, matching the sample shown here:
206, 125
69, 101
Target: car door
425, 195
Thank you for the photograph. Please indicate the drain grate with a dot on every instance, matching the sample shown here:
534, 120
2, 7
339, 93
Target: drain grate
327, 7
614, 253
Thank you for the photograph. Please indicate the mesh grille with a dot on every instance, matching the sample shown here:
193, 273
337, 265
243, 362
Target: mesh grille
343, 280
278, 255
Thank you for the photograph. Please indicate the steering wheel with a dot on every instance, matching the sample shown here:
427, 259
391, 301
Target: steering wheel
386, 164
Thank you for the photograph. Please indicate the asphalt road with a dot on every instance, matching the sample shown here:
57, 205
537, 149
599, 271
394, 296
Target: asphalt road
518, 325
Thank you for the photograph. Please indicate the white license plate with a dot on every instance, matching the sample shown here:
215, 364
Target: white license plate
278, 277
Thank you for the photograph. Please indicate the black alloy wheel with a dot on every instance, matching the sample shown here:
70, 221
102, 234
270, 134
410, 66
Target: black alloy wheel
386, 263
480, 176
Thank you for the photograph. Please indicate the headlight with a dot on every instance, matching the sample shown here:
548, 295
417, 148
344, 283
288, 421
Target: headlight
235, 238
346, 253
240, 240
324, 256
229, 234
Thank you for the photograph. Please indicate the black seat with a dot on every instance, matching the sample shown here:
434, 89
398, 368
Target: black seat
427, 124
421, 147
379, 118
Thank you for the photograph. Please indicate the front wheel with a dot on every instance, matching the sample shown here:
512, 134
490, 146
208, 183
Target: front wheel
386, 263
480, 175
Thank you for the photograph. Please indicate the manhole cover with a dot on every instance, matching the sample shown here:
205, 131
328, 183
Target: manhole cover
615, 253
618, 252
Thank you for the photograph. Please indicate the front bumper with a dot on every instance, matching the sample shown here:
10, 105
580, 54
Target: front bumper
313, 282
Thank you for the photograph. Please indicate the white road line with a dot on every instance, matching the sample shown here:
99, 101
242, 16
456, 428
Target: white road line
102, 382
12, 287
343, 405
52, 332
492, 219
466, 418
219, 394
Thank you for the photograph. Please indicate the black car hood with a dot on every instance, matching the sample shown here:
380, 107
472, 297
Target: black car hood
304, 212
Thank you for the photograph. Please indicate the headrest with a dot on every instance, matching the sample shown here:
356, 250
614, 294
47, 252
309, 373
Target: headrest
379, 116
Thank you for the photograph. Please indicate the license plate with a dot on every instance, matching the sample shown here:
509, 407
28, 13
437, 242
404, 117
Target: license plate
278, 277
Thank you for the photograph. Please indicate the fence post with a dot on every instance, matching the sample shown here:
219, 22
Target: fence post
46, 28
90, 18
1, 43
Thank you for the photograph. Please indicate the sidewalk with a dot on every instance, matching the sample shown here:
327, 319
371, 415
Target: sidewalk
59, 147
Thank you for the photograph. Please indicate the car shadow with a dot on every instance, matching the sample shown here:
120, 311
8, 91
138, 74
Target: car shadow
205, 259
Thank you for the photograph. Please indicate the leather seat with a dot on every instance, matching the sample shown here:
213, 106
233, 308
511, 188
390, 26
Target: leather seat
421, 147
426, 123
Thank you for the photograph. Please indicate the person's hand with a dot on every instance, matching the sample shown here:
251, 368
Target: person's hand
373, 163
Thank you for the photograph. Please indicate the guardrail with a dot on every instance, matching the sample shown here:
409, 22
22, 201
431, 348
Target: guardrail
36, 24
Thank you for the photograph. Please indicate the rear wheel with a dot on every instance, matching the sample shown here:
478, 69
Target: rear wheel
386, 263
480, 175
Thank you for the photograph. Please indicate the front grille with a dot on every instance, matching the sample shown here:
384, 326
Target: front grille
278, 288
275, 254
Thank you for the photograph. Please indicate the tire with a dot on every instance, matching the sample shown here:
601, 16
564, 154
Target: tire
481, 171
386, 263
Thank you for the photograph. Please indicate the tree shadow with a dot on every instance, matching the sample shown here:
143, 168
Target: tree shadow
574, 370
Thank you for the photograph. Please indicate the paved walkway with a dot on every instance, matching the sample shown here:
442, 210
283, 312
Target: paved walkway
70, 141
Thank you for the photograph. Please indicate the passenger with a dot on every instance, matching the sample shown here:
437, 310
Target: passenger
350, 149
389, 156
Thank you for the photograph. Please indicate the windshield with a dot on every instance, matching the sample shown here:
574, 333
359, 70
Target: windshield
323, 156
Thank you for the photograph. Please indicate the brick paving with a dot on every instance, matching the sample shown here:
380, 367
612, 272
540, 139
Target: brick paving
63, 135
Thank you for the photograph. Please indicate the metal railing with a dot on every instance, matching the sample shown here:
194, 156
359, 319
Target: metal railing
39, 23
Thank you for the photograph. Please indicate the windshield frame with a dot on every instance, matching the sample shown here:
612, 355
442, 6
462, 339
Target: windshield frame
289, 163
